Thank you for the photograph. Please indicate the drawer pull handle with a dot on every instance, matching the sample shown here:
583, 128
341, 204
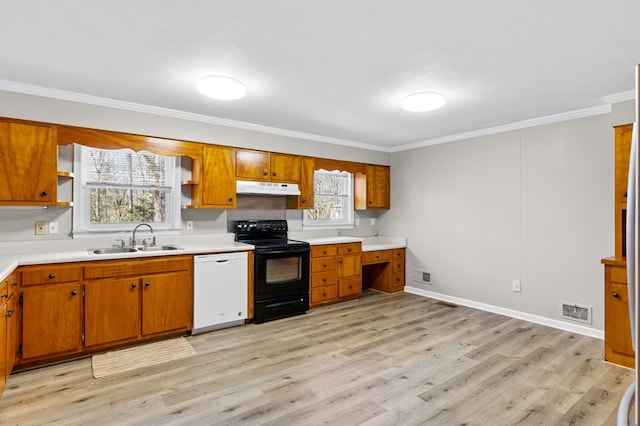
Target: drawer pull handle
324, 265
73, 292
349, 249
324, 279
134, 285
9, 313
5, 296
44, 193
616, 295
147, 284
52, 276
14, 284
324, 294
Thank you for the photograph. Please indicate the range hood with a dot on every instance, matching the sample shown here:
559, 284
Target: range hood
266, 188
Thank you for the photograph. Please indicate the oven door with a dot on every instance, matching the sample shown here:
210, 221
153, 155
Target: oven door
281, 271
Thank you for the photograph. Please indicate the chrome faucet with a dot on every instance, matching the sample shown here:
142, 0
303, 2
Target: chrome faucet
133, 238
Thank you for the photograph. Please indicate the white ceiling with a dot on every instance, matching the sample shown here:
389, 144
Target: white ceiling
337, 69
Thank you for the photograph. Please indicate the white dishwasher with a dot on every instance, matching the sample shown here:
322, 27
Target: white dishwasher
220, 291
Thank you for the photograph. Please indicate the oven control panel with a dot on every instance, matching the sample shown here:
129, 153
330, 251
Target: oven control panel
256, 226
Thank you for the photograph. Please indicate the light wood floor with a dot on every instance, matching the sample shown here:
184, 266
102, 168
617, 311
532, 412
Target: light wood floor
381, 360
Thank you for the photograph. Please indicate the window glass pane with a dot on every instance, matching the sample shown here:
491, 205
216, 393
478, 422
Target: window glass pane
126, 168
333, 200
115, 205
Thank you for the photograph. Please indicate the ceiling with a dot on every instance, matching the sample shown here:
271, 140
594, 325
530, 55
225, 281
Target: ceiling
331, 70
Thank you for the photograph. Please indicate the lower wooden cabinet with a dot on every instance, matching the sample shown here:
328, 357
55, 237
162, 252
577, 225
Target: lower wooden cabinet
8, 327
383, 270
617, 328
68, 309
335, 273
51, 319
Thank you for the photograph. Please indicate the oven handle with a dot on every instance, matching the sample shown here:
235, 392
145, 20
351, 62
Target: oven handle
291, 251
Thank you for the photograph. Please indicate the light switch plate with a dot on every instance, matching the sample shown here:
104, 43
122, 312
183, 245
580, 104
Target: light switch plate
53, 227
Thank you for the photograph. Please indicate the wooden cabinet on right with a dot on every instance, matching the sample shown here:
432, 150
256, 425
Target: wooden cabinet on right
383, 270
617, 329
372, 191
28, 164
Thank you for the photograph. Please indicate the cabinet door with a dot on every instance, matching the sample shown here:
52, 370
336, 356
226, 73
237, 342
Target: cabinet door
617, 329
27, 164
167, 302
349, 265
252, 165
306, 197
112, 310
51, 319
378, 187
218, 177
12, 333
4, 373
285, 168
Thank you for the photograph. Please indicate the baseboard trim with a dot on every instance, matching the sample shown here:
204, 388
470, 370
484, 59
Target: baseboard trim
573, 328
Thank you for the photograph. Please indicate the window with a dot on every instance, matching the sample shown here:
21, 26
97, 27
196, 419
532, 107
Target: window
333, 202
117, 189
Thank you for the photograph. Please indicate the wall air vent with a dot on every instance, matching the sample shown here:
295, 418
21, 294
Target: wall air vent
421, 276
575, 312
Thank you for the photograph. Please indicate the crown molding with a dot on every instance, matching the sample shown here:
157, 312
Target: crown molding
63, 95
620, 97
588, 112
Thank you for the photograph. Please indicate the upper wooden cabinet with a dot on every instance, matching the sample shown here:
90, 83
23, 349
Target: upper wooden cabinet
306, 197
622, 153
218, 184
28, 164
372, 191
260, 165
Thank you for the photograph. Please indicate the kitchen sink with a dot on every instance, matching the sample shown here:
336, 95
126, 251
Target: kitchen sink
160, 248
112, 250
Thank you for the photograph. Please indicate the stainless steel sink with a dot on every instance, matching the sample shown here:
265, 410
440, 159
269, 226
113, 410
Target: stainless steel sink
160, 248
112, 250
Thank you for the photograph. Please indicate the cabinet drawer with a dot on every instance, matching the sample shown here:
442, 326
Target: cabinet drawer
12, 283
324, 278
350, 287
4, 292
350, 248
50, 274
131, 267
398, 253
397, 281
618, 274
319, 251
324, 293
376, 256
323, 264
397, 265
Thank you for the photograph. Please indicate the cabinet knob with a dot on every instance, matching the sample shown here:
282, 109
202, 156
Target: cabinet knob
324, 252
147, 284
44, 193
134, 285
230, 199
350, 286
324, 294
340, 261
74, 293
324, 279
349, 249
14, 284
52, 276
265, 173
303, 201
324, 265
273, 174
9, 313
616, 295
5, 296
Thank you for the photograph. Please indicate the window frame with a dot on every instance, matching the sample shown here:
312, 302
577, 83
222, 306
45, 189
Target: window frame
348, 205
82, 225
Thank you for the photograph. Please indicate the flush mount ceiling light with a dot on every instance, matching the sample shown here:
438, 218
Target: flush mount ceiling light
423, 101
221, 87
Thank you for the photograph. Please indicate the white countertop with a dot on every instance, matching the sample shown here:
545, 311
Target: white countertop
15, 254
368, 243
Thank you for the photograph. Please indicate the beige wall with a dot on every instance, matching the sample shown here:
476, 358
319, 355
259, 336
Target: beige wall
534, 205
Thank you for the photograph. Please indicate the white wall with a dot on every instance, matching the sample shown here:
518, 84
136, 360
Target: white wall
534, 204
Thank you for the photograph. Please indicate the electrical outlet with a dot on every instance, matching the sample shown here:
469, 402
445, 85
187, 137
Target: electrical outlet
53, 227
357, 222
41, 228
373, 221
515, 284
189, 225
